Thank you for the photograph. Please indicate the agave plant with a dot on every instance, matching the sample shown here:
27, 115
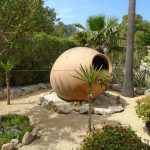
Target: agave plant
90, 75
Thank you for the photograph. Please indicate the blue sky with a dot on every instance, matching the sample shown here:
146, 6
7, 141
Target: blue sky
77, 11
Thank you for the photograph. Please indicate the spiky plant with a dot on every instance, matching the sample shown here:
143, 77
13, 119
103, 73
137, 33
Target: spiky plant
88, 75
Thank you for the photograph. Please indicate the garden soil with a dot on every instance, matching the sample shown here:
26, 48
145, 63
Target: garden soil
66, 131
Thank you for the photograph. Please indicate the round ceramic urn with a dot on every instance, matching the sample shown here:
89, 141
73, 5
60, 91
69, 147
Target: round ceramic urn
64, 69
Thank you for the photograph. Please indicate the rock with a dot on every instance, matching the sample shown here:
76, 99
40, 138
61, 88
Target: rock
42, 86
116, 109
15, 142
116, 87
35, 132
147, 92
41, 99
102, 111
84, 102
48, 104
84, 109
64, 108
139, 90
77, 109
8, 146
27, 138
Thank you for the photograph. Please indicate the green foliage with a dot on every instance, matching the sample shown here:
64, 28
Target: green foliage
96, 23
113, 138
143, 109
89, 75
13, 126
102, 32
8, 66
92, 74
64, 30
104, 77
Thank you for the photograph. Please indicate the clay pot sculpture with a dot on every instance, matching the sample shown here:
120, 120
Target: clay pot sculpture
61, 77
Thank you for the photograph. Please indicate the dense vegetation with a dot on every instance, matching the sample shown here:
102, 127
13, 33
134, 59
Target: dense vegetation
32, 36
13, 126
113, 138
143, 109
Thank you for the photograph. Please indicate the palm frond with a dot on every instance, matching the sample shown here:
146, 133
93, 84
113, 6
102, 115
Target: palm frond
87, 74
78, 25
96, 23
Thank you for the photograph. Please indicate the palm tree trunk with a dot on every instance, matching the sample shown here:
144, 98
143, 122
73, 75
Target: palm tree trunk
90, 108
8, 89
128, 77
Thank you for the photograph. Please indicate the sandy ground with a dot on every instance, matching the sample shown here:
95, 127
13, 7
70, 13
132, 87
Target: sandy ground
65, 132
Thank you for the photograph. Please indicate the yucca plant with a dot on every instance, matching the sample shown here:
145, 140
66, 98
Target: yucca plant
7, 67
89, 75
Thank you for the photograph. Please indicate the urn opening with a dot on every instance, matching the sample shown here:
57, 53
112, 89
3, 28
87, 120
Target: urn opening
100, 61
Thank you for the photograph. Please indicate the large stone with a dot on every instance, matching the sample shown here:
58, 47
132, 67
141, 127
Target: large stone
48, 104
41, 99
8, 146
84, 109
139, 90
147, 92
27, 138
15, 142
102, 111
116, 87
42, 86
64, 109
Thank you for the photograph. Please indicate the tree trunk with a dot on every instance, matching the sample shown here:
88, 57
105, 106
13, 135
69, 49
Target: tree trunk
90, 108
128, 77
8, 89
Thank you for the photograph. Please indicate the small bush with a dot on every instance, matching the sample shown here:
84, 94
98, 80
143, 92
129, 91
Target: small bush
104, 77
143, 109
13, 126
113, 138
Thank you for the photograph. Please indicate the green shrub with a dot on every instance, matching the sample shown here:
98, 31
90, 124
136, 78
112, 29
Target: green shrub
113, 138
13, 126
143, 109
104, 77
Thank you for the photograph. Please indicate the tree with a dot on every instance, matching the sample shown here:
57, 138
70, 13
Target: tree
88, 75
128, 77
7, 67
62, 29
19, 20
103, 31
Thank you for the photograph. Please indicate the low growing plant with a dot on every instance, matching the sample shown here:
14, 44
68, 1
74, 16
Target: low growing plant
13, 126
113, 138
143, 109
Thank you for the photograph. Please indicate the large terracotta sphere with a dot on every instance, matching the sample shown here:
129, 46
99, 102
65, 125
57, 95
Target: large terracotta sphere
61, 77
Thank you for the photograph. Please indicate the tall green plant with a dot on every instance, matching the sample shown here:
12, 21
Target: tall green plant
103, 31
7, 67
90, 75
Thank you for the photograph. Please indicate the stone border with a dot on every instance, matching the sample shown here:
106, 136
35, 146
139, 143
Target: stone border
23, 90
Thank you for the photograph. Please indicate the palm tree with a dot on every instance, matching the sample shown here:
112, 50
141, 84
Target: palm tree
88, 75
7, 67
103, 31
128, 77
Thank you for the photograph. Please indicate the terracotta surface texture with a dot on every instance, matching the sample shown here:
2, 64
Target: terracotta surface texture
61, 77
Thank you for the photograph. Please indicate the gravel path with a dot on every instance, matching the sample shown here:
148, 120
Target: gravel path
66, 132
